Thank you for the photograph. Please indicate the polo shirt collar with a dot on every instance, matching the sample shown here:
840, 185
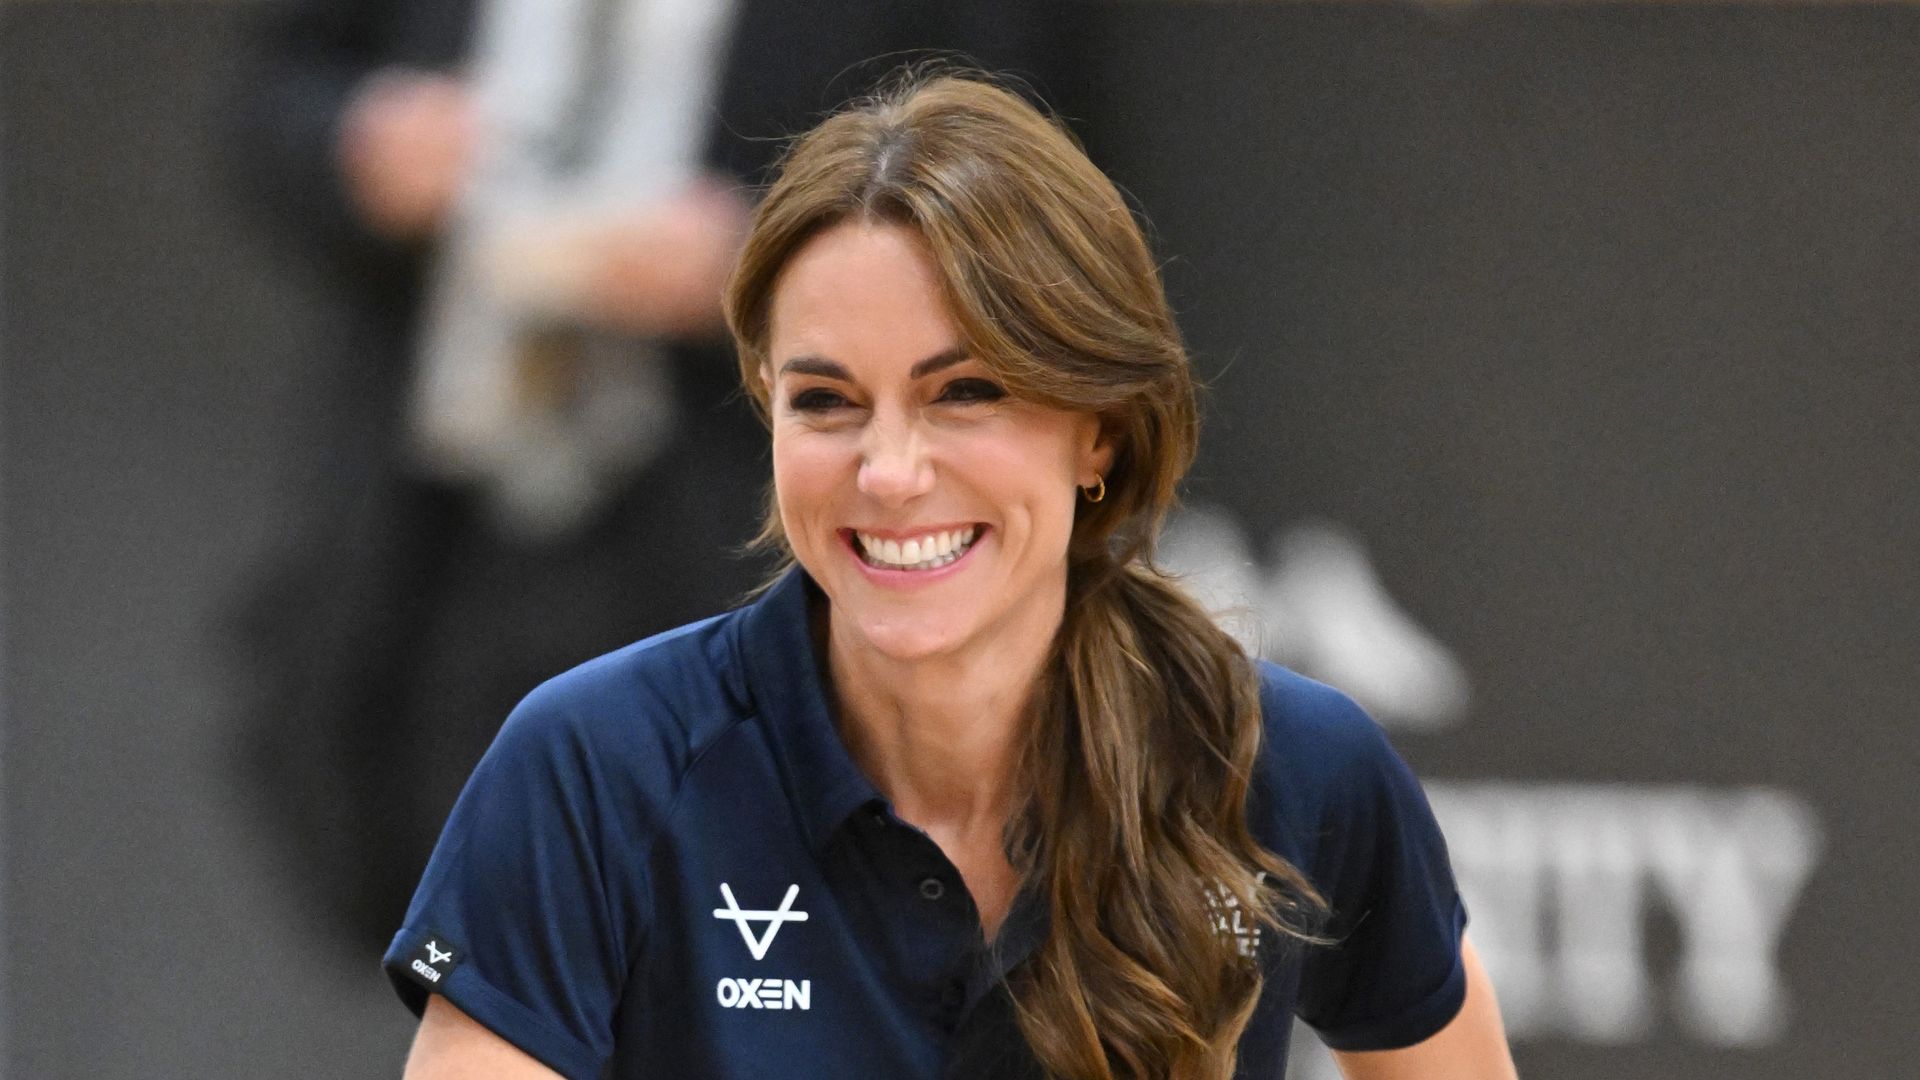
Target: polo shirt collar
787, 682
786, 678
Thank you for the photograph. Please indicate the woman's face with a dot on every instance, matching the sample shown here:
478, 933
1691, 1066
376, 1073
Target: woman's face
932, 507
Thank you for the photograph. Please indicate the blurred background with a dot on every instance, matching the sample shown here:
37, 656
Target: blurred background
1562, 383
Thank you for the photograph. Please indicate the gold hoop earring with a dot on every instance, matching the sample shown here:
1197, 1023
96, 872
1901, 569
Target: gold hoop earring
1097, 492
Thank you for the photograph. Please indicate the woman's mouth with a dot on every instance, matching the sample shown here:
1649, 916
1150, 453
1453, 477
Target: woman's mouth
928, 551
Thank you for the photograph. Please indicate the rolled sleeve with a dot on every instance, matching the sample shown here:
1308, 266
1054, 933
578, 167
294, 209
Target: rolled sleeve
1393, 975
535, 891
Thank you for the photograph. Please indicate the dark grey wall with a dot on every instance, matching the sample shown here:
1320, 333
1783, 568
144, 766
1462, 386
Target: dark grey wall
1596, 323
146, 344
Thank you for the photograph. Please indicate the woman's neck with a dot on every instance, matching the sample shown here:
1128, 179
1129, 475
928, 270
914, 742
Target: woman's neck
940, 736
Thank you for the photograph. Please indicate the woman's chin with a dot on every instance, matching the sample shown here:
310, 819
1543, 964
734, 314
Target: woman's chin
906, 639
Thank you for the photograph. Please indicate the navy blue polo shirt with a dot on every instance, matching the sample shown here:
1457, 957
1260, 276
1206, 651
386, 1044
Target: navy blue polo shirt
668, 865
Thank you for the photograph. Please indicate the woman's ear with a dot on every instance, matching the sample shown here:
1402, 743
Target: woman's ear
1096, 452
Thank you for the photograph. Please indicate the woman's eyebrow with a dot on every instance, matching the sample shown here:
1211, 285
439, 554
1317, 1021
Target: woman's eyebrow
941, 360
831, 369
813, 365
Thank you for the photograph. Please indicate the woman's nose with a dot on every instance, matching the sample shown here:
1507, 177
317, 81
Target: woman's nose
894, 467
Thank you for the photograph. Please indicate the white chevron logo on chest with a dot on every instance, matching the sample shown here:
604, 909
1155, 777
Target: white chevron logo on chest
758, 945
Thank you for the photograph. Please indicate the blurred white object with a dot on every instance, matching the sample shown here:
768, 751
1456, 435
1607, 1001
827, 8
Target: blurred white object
1321, 610
1565, 881
1205, 548
588, 110
1343, 629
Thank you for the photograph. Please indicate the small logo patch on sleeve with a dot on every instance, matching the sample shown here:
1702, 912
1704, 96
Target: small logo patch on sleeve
433, 961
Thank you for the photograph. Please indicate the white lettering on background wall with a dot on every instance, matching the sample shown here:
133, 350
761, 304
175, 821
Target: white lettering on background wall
1561, 881
1572, 888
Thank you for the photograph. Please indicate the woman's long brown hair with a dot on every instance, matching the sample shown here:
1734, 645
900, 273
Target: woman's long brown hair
1145, 728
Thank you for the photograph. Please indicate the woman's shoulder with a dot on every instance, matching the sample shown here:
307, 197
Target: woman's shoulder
1303, 716
1319, 747
660, 699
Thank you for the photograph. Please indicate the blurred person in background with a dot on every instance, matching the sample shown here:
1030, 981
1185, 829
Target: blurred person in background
520, 443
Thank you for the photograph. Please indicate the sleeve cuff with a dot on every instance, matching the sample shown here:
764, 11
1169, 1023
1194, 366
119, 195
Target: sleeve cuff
1418, 1022
492, 1009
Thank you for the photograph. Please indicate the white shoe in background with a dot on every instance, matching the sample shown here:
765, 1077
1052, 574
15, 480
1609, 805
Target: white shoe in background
1345, 630
1321, 610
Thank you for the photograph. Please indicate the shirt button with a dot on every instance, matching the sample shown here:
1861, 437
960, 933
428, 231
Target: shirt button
933, 888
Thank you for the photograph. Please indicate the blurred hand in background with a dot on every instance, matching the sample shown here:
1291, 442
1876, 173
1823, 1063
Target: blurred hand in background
654, 269
660, 272
406, 143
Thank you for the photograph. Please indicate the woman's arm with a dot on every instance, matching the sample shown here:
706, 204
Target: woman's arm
1473, 1046
451, 1045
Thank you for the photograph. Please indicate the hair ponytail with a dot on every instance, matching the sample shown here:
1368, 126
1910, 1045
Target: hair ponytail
1138, 770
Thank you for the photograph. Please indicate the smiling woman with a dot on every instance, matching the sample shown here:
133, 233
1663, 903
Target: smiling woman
933, 507
1031, 812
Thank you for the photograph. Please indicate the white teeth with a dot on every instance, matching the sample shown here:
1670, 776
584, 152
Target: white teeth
928, 552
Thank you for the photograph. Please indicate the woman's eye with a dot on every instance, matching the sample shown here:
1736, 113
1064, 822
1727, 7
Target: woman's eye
816, 400
971, 390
